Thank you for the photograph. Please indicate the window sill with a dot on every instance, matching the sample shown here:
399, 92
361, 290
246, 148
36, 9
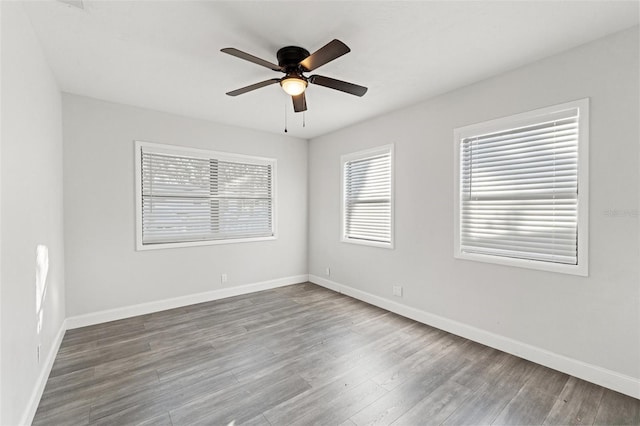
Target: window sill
581, 269
368, 243
159, 246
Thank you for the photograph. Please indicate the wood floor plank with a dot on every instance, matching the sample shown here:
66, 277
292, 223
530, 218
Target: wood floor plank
416, 338
370, 361
170, 339
342, 406
158, 359
577, 404
534, 401
294, 409
504, 381
161, 420
259, 420
394, 404
162, 398
481, 407
68, 382
214, 363
253, 402
200, 408
71, 412
397, 402
548, 380
89, 389
435, 407
304, 355
530, 406
382, 325
419, 361
91, 358
617, 409
96, 332
295, 362
479, 373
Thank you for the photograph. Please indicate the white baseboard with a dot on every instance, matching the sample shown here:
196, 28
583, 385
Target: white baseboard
592, 373
36, 394
177, 302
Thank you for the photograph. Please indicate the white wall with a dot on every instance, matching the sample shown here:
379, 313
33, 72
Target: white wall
593, 320
31, 203
104, 271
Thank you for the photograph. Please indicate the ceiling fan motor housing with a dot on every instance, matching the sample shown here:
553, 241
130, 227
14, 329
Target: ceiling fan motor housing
290, 56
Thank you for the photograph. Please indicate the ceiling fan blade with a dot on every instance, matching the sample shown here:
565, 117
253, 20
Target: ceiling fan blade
343, 86
332, 50
253, 87
247, 57
299, 102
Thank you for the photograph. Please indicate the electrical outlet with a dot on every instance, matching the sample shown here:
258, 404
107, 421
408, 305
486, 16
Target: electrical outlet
327, 271
223, 278
397, 290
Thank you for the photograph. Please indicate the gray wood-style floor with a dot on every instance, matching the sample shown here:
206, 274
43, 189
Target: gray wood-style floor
305, 355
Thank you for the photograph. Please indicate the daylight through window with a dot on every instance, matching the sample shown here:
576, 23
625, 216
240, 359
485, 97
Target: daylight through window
367, 197
195, 196
520, 187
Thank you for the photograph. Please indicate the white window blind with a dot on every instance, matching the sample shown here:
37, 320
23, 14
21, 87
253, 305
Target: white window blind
367, 197
519, 190
190, 198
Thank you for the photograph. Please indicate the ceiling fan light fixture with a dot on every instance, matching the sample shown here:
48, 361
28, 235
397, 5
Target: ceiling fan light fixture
294, 86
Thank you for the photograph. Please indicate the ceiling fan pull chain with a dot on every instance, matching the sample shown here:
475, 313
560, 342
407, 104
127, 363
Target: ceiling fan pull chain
304, 117
285, 117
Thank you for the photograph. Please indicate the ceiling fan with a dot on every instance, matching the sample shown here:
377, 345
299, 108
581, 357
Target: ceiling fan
293, 61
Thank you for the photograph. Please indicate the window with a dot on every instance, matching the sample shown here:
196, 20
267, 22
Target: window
367, 197
522, 189
190, 197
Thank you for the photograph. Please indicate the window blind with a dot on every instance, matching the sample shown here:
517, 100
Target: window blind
519, 191
367, 198
188, 198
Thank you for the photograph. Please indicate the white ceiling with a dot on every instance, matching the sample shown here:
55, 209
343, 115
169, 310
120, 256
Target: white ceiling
165, 55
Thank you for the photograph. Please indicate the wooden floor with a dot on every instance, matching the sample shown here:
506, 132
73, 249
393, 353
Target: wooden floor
305, 355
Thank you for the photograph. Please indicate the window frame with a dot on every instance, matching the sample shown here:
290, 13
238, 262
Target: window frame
189, 151
361, 155
515, 121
